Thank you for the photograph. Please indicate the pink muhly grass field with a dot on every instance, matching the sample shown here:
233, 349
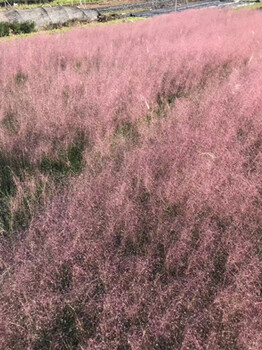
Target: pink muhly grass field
130, 186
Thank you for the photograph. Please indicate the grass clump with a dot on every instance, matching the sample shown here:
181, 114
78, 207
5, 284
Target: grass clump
69, 161
12, 171
19, 200
9, 122
127, 131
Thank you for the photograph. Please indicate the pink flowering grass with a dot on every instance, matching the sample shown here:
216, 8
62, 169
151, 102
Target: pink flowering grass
131, 186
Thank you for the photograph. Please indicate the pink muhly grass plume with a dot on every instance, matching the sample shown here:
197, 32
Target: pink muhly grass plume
132, 186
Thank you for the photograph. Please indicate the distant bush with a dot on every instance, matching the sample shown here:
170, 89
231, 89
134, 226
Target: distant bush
22, 28
27, 27
16, 28
4, 29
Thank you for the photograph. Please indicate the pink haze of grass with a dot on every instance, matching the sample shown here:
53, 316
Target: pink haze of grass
156, 244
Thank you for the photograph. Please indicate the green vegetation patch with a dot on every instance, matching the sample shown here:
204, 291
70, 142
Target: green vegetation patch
9, 122
16, 28
35, 3
129, 131
12, 170
4, 29
73, 324
16, 169
252, 6
69, 161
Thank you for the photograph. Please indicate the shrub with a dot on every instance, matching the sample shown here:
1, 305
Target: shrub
4, 29
27, 27
15, 27
24, 27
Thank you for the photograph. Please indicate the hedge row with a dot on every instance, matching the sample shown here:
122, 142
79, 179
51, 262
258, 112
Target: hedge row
16, 28
11, 2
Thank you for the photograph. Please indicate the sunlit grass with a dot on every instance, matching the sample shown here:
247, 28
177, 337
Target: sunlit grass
253, 6
58, 2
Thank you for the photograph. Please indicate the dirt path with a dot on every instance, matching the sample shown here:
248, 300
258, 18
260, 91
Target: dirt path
159, 7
